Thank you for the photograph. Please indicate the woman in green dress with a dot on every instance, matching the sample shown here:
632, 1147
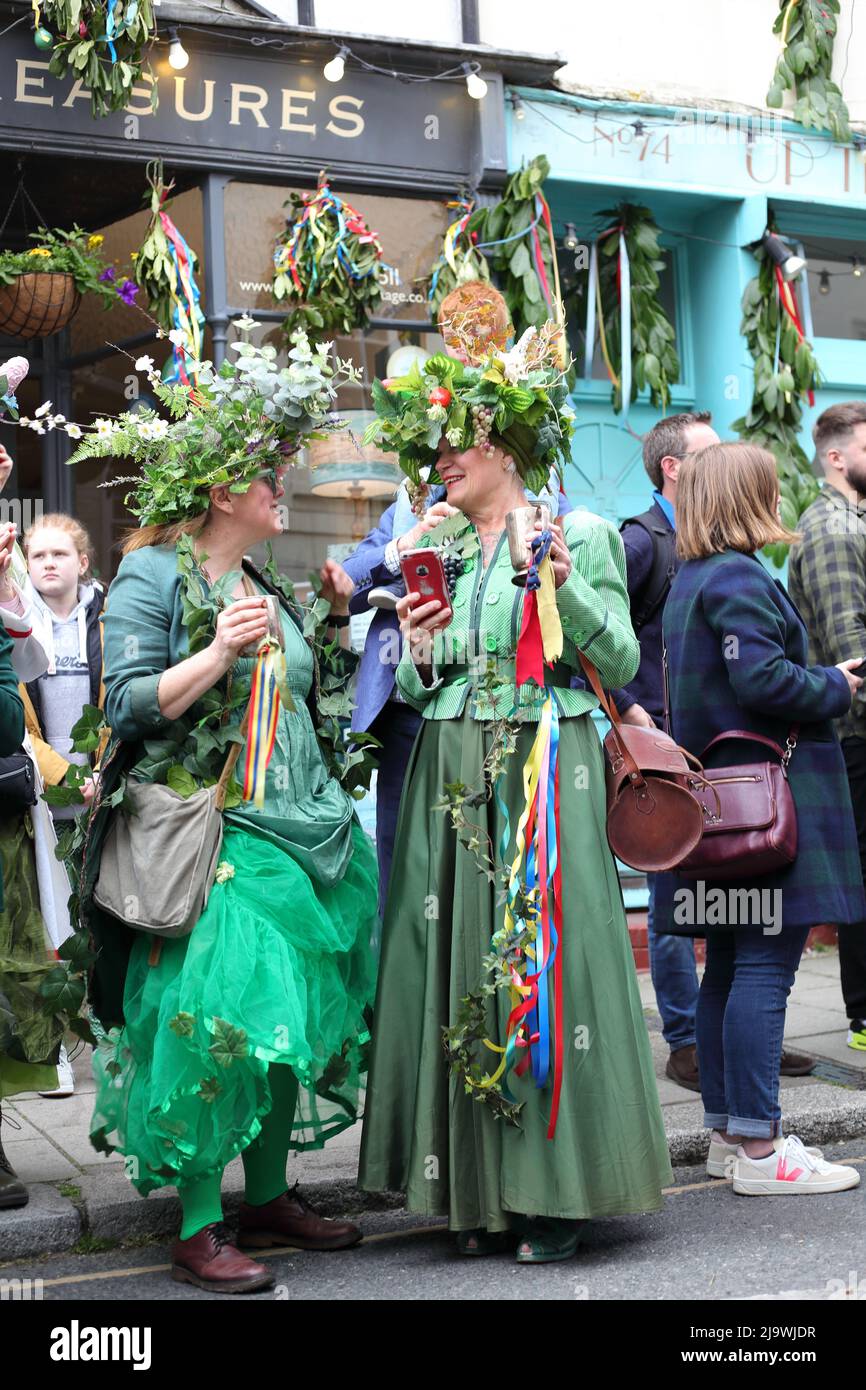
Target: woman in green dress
246, 1036
571, 1127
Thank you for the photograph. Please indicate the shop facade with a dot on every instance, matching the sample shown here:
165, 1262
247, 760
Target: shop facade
712, 180
239, 129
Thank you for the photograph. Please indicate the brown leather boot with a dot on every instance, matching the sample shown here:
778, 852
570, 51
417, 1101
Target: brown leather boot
209, 1260
289, 1220
796, 1063
13, 1193
682, 1068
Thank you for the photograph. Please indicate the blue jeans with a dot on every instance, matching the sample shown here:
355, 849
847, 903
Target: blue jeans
675, 980
740, 1027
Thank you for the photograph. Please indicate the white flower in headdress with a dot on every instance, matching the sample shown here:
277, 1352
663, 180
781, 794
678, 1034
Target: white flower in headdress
103, 427
178, 337
246, 324
43, 409
144, 364
159, 428
514, 361
36, 426
74, 431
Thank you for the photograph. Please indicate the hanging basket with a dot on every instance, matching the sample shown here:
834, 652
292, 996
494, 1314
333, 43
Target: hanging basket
38, 304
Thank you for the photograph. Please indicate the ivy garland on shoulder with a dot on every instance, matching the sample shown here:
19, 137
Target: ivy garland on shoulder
327, 261
808, 30
786, 371
639, 345
102, 43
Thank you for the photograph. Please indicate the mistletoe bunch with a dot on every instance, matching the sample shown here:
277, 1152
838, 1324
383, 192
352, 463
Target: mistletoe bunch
517, 238
655, 363
327, 262
808, 29
104, 43
785, 371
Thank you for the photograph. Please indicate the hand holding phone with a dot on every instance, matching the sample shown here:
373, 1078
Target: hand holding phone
424, 575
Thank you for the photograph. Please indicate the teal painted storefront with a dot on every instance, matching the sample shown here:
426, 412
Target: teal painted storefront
711, 181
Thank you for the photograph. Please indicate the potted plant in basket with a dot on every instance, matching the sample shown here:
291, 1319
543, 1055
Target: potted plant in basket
41, 288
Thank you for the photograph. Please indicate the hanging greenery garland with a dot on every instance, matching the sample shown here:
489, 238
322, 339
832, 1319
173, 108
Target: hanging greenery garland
165, 268
101, 42
459, 261
808, 29
627, 253
328, 262
516, 235
786, 371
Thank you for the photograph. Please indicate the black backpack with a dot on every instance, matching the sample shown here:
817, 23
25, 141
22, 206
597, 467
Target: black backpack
654, 591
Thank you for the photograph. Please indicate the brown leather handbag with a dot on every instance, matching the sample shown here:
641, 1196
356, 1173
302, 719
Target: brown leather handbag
751, 827
654, 818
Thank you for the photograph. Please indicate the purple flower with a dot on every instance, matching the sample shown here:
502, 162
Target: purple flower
107, 276
128, 291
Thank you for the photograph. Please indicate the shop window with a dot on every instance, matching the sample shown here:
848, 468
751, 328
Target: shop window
576, 306
837, 287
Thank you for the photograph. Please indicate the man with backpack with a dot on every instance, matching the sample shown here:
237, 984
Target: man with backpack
652, 562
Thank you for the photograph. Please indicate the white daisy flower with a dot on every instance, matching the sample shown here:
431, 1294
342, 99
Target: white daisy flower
159, 429
74, 431
145, 429
37, 427
144, 364
103, 427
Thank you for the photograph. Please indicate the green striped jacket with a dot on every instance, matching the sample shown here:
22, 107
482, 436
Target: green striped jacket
594, 609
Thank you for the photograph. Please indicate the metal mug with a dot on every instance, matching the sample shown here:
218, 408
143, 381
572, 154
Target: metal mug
275, 627
520, 526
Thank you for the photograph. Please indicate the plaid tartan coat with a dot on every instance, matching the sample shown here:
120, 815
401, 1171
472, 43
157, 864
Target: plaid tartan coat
737, 651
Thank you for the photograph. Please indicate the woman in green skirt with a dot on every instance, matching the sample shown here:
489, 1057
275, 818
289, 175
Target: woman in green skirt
548, 1113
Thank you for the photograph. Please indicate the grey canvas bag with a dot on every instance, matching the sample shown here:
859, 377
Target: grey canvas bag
159, 859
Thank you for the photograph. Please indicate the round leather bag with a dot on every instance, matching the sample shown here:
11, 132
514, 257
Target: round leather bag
653, 826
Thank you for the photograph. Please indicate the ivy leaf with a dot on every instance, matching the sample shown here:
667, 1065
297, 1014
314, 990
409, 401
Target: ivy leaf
183, 1025
76, 950
63, 991
229, 1043
208, 1090
181, 781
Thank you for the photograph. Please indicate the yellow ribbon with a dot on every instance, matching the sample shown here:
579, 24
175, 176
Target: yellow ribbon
548, 613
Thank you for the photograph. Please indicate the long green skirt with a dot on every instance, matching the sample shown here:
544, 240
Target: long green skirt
29, 1037
422, 1133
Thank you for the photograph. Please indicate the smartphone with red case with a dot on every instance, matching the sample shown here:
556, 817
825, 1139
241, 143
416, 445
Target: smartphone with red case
424, 574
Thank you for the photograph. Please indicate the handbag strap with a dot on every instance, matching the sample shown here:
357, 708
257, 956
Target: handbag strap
784, 753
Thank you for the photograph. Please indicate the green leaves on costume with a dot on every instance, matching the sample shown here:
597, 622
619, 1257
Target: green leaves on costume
63, 990
183, 1025
208, 1090
229, 1043
77, 951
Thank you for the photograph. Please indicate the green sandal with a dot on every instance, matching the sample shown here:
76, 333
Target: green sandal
550, 1239
483, 1242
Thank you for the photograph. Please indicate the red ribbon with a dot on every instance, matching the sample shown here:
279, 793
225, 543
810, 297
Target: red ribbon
559, 1041
789, 303
530, 649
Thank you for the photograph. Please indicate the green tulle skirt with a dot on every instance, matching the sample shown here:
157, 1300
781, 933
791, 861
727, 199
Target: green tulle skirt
278, 969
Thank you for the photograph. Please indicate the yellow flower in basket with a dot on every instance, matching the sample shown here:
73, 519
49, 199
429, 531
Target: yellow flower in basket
39, 251
94, 241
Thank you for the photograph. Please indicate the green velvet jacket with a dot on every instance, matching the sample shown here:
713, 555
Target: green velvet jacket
593, 607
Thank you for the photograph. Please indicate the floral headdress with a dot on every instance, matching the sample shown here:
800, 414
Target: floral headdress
520, 395
241, 421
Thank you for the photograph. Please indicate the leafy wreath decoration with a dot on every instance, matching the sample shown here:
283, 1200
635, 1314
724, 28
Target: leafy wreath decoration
808, 30
104, 43
516, 235
786, 371
459, 261
327, 261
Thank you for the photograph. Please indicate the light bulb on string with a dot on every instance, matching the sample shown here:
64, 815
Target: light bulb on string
517, 107
856, 268
177, 54
333, 71
571, 241
824, 282
475, 85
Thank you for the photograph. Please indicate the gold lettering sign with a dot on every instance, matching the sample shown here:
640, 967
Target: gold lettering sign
291, 109
254, 101
27, 79
180, 101
353, 118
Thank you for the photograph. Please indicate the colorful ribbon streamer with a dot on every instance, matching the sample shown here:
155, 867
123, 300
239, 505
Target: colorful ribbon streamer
187, 315
268, 690
289, 257
789, 304
540, 639
453, 233
595, 316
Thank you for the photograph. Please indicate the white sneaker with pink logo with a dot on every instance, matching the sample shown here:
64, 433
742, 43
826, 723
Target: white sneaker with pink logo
791, 1171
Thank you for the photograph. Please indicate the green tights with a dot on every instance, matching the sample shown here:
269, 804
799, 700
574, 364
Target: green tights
264, 1160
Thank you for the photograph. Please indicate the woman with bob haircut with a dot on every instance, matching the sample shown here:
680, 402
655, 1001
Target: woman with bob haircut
737, 660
